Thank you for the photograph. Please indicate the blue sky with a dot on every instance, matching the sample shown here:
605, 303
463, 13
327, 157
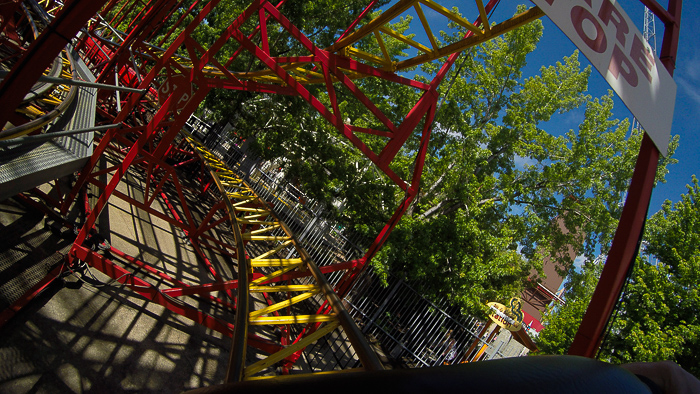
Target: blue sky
687, 113
555, 45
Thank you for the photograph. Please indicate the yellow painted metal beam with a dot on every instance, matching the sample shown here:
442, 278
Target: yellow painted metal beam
283, 304
240, 193
272, 289
405, 39
240, 208
265, 229
289, 350
354, 52
502, 28
334, 372
249, 237
483, 15
255, 216
274, 262
230, 179
245, 220
252, 209
426, 26
382, 46
378, 25
275, 250
452, 16
385, 17
298, 319
273, 275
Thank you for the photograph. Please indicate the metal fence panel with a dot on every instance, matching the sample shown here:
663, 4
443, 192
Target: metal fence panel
411, 330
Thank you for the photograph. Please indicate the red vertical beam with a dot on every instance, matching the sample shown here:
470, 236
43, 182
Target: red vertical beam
121, 14
344, 284
157, 11
629, 230
108, 8
72, 17
177, 24
357, 20
428, 99
133, 100
155, 29
145, 9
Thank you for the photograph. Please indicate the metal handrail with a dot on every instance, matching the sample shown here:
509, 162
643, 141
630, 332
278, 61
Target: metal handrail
45, 119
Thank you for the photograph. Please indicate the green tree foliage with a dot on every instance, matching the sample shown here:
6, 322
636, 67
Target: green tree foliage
321, 21
657, 317
495, 180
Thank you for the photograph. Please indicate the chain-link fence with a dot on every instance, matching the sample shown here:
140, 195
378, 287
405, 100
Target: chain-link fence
409, 329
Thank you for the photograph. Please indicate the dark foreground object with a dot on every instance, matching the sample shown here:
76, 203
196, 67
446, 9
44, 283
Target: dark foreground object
538, 374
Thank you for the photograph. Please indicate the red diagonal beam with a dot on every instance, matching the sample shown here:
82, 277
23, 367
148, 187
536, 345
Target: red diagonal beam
148, 291
155, 13
178, 22
16, 306
151, 293
428, 99
72, 17
168, 278
307, 96
325, 58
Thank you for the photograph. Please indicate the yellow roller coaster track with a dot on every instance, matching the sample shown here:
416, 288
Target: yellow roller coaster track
267, 251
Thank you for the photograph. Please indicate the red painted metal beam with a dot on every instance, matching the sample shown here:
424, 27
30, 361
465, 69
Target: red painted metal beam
428, 99
621, 255
184, 287
631, 226
660, 11
357, 20
155, 13
13, 309
42, 52
233, 284
151, 293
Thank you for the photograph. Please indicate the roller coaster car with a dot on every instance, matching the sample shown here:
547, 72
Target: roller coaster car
536, 374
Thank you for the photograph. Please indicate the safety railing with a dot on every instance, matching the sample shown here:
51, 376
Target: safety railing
411, 330
306, 218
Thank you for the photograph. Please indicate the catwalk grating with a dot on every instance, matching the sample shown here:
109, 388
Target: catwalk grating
28, 251
25, 169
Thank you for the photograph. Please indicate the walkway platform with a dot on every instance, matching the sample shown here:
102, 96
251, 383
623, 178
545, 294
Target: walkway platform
85, 333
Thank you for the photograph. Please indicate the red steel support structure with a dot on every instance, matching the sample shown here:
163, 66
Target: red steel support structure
629, 231
173, 81
73, 16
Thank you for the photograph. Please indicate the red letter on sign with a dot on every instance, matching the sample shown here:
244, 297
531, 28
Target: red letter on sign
598, 43
620, 64
643, 57
606, 15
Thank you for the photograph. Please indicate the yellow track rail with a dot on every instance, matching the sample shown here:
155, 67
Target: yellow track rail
269, 252
45, 108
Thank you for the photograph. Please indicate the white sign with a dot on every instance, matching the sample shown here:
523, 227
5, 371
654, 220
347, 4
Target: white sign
607, 37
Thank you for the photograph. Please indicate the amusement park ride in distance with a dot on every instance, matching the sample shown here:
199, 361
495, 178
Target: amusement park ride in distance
158, 87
